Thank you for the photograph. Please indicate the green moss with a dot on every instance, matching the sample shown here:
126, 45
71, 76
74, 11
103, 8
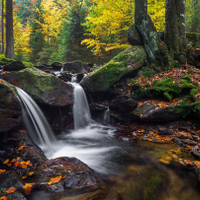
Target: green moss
193, 92
168, 87
154, 185
167, 96
122, 64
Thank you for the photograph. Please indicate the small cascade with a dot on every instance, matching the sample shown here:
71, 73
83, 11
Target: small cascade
81, 110
106, 117
36, 123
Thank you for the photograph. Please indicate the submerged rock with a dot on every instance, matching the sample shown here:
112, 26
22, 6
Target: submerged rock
10, 107
126, 62
43, 88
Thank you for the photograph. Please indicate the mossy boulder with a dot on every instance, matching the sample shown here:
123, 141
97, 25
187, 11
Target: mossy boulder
159, 112
14, 66
44, 88
121, 65
10, 107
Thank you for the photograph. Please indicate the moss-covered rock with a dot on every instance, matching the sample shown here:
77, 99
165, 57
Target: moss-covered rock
44, 88
148, 111
10, 107
123, 64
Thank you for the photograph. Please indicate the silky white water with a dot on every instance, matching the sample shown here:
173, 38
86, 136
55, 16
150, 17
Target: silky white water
36, 123
81, 110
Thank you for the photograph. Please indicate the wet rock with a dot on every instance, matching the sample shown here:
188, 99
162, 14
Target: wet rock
76, 67
123, 104
10, 107
42, 87
76, 174
10, 179
79, 77
196, 151
182, 135
14, 66
189, 142
16, 196
57, 66
165, 131
134, 37
148, 112
65, 76
128, 61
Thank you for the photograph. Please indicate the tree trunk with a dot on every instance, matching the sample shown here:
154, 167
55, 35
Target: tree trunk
175, 37
9, 30
146, 28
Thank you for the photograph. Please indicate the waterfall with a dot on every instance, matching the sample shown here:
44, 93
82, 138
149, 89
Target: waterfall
81, 111
38, 127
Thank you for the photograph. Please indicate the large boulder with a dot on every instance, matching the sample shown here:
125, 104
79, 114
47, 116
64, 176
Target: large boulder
44, 88
125, 63
10, 107
14, 66
159, 112
123, 104
134, 37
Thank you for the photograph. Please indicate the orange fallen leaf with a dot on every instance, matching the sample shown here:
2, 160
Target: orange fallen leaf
2, 171
3, 198
24, 177
24, 166
28, 162
17, 164
6, 161
54, 180
28, 187
10, 190
13, 160
31, 173
21, 147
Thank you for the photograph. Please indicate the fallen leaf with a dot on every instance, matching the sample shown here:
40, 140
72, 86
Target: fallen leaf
3, 198
10, 190
6, 161
21, 147
54, 180
31, 173
24, 177
2, 171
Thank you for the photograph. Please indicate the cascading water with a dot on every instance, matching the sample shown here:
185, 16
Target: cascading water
81, 110
37, 126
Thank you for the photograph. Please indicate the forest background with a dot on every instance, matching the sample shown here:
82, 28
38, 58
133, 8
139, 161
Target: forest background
88, 30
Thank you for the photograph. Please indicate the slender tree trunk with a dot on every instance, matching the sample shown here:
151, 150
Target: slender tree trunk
146, 28
2, 27
9, 30
175, 37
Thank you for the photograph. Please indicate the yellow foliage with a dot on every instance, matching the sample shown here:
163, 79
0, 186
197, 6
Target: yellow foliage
21, 35
109, 21
53, 15
156, 9
107, 25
